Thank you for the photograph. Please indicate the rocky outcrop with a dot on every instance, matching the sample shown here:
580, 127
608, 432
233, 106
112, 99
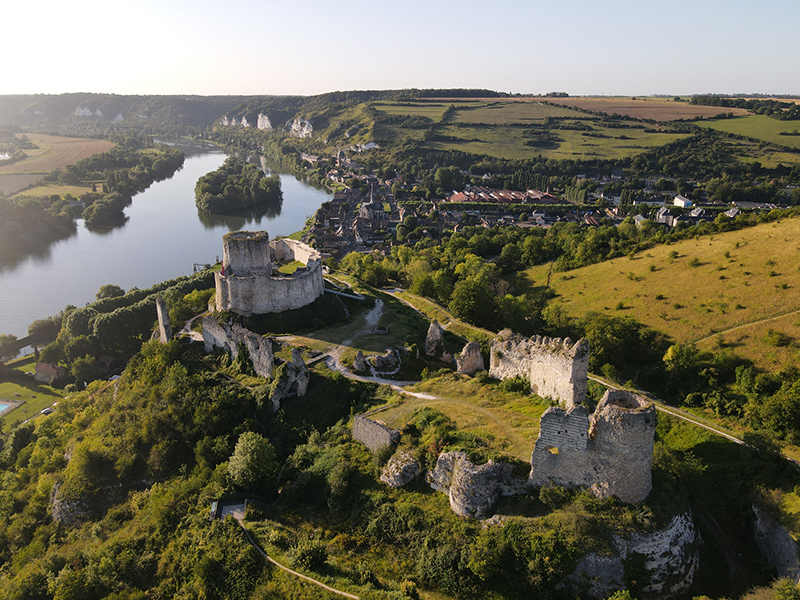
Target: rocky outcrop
670, 560
300, 128
473, 489
263, 122
776, 544
401, 469
359, 363
470, 361
556, 368
434, 341
387, 363
372, 434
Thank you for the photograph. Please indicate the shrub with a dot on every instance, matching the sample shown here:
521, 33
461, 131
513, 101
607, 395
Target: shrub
309, 554
777, 338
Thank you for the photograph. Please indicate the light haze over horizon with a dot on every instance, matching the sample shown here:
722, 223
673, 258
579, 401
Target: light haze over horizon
307, 47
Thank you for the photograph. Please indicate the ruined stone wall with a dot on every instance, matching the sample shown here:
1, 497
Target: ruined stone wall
247, 286
556, 368
372, 434
622, 432
164, 328
287, 249
611, 452
227, 337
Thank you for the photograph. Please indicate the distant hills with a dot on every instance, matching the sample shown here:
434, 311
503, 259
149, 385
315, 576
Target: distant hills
89, 113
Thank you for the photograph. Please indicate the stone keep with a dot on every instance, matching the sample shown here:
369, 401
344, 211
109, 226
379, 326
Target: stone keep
611, 452
246, 285
556, 368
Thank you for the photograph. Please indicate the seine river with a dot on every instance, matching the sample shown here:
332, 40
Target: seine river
164, 235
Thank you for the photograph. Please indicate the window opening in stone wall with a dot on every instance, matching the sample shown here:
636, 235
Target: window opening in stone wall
553, 450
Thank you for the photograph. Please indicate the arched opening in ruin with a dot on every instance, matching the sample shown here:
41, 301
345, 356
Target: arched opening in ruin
553, 450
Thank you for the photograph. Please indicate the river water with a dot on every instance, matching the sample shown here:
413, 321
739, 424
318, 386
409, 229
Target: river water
164, 235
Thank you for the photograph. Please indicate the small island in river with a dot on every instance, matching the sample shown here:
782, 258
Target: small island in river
235, 187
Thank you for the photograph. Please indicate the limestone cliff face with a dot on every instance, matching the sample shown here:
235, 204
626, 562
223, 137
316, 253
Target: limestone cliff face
670, 561
473, 489
263, 122
776, 544
300, 128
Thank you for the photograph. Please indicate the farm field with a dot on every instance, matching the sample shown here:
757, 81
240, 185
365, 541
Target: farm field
509, 143
55, 188
738, 278
53, 152
508, 113
658, 109
759, 127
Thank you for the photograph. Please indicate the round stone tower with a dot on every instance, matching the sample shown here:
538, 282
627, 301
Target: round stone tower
246, 253
622, 432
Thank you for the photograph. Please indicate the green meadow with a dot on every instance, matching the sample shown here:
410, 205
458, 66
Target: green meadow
712, 290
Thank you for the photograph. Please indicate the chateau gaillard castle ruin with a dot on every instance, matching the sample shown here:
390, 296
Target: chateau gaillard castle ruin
247, 284
609, 451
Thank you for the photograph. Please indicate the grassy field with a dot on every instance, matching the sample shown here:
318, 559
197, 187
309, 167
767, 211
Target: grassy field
33, 395
431, 110
53, 152
509, 143
507, 113
658, 109
57, 189
507, 423
759, 127
434, 311
698, 288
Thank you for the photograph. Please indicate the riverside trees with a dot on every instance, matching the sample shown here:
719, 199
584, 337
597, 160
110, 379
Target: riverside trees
236, 186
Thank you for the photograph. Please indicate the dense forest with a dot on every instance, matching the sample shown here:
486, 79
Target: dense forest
235, 187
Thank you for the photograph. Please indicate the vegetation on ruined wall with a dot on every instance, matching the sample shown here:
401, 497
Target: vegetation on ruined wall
145, 462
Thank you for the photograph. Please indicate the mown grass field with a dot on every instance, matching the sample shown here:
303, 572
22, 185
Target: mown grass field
56, 189
759, 127
33, 395
658, 109
699, 288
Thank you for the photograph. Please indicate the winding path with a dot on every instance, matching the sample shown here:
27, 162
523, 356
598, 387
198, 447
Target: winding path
750, 324
288, 570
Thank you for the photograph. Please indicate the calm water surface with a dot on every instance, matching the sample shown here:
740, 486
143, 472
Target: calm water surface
164, 235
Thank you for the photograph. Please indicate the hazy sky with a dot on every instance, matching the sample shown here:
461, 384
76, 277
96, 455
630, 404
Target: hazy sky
621, 47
